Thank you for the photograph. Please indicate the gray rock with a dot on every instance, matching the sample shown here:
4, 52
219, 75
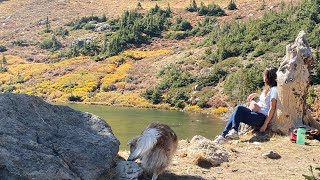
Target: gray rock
43, 141
197, 88
42, 22
271, 155
205, 153
127, 170
100, 27
124, 170
80, 42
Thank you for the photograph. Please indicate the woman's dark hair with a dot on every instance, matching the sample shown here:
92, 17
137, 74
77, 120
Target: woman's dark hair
271, 76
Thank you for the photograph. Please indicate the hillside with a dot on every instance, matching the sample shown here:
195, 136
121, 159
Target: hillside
183, 63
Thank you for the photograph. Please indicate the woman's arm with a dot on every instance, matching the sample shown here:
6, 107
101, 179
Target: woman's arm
251, 96
273, 104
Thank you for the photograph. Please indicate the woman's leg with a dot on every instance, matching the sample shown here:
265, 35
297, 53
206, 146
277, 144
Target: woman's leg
228, 126
254, 119
235, 116
245, 115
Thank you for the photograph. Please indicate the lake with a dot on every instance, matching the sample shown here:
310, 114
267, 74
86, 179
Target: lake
127, 123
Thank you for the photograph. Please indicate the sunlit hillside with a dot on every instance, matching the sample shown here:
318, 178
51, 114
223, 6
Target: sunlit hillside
167, 54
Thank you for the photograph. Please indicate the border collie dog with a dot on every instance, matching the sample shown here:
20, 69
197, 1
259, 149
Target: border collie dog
155, 146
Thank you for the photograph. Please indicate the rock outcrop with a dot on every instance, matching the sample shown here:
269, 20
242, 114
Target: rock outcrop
43, 141
204, 153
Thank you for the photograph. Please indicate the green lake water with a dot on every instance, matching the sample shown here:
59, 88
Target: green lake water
127, 123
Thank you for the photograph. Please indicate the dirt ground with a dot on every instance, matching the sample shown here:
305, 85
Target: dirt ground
246, 161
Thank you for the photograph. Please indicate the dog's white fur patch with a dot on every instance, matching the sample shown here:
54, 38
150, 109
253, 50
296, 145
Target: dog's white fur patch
146, 142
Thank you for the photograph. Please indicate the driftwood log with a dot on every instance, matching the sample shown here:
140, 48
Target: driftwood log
293, 82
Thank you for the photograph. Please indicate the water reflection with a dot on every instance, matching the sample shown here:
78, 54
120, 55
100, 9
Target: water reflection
129, 122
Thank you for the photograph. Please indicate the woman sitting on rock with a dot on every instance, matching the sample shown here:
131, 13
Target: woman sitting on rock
258, 114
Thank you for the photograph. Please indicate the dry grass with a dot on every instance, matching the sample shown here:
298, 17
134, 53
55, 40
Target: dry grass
246, 161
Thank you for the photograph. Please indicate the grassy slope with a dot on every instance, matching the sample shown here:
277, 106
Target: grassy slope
54, 81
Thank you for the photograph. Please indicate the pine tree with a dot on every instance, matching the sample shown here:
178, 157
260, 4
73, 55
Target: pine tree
104, 18
3, 63
4, 60
194, 4
315, 78
139, 6
55, 43
48, 27
232, 5
193, 7
168, 10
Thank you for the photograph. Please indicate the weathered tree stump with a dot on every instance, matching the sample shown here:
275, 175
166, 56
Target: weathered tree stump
293, 82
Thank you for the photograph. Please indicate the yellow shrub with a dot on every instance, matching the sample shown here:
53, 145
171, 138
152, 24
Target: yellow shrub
15, 60
77, 82
165, 106
125, 99
113, 58
5, 77
118, 75
54, 56
144, 54
220, 110
106, 68
194, 108
72, 61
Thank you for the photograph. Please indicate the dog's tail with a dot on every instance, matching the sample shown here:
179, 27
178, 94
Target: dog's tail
144, 143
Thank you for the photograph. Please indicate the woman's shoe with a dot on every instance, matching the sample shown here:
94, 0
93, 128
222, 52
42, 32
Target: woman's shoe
219, 140
233, 134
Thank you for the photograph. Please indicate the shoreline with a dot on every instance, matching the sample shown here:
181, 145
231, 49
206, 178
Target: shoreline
157, 107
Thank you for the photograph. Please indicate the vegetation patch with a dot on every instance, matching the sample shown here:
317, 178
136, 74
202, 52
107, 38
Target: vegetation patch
137, 55
2, 48
86, 22
51, 44
232, 5
269, 34
203, 10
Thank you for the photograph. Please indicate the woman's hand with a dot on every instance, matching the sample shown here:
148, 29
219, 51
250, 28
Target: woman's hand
263, 128
251, 96
254, 107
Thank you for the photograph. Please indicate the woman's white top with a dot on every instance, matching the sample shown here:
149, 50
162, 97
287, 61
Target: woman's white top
264, 101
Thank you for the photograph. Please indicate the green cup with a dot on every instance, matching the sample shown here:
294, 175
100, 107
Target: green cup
301, 135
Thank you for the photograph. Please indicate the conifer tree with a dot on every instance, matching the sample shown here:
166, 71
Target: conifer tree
139, 6
194, 4
48, 27
232, 5
193, 7
4, 60
104, 18
3, 63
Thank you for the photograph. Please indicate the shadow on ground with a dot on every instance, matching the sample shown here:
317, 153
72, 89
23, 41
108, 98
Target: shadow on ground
171, 176
259, 137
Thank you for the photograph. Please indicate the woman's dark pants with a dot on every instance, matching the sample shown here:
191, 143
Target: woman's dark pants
245, 115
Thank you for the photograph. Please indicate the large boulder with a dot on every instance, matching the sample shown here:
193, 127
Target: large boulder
43, 141
204, 153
